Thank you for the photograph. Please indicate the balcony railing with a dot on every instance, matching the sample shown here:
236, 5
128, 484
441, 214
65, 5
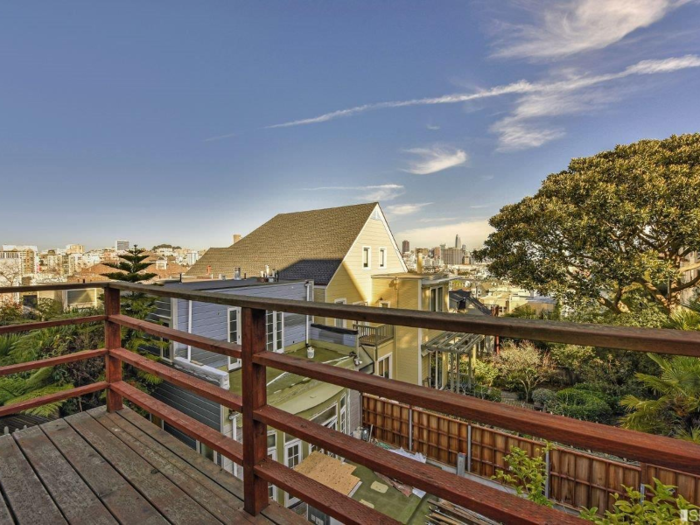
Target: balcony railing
259, 470
374, 335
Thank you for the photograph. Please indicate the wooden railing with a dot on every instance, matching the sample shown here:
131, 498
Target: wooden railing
257, 414
374, 335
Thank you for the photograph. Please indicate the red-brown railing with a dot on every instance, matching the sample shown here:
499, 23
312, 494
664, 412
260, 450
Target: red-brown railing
257, 414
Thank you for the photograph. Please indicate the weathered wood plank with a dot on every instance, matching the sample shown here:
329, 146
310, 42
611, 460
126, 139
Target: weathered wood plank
74, 498
25, 494
123, 501
191, 482
273, 512
167, 498
5, 516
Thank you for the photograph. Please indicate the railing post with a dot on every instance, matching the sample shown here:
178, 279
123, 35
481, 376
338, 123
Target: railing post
254, 397
113, 339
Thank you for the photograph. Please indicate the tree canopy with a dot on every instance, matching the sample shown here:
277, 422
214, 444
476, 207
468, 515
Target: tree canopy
617, 222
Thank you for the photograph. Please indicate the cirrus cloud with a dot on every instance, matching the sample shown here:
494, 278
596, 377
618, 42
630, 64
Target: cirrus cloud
406, 209
434, 159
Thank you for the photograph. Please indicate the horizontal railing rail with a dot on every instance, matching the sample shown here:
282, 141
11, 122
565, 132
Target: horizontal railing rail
257, 414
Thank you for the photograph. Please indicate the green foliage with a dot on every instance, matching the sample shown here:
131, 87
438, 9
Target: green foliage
662, 507
522, 367
527, 475
571, 359
484, 372
488, 393
581, 404
676, 410
47, 409
611, 224
130, 267
543, 396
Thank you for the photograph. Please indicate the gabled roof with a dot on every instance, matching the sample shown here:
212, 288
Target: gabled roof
301, 245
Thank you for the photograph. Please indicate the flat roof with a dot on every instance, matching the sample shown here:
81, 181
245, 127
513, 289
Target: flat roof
227, 284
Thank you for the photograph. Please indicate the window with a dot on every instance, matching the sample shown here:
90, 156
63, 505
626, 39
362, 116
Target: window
292, 457
272, 454
329, 419
275, 331
436, 299
366, 257
384, 366
343, 415
234, 334
340, 323
382, 257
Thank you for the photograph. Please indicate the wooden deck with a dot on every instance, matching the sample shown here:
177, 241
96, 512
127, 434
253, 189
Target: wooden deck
95, 467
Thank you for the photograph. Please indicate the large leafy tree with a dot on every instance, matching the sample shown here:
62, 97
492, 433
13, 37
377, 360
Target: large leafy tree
617, 222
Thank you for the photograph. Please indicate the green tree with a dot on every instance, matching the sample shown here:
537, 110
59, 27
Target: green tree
523, 367
676, 410
571, 359
140, 306
618, 221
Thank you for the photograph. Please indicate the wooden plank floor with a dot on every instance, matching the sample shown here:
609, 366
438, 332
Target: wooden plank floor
100, 468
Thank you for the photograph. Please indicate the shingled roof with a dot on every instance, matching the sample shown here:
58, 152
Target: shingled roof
301, 245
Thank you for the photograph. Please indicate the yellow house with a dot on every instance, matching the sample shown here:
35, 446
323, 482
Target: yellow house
352, 257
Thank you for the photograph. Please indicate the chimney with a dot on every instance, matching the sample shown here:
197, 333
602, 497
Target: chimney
237, 274
236, 237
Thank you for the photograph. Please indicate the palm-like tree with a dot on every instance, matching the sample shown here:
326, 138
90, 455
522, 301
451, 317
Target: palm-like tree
676, 412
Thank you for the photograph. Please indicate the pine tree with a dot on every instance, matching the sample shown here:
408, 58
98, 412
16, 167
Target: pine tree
130, 267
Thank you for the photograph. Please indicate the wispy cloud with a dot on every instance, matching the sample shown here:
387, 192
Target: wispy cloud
568, 27
379, 192
517, 131
432, 127
406, 209
434, 159
473, 233
437, 219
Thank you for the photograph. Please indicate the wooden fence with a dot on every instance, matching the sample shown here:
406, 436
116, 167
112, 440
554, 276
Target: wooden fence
576, 479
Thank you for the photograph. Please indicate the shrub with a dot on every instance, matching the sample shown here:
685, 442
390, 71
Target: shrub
527, 475
658, 505
488, 393
581, 404
543, 396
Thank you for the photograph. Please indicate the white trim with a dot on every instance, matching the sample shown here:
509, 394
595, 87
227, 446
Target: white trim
420, 339
391, 364
291, 500
369, 257
383, 250
189, 330
343, 323
276, 315
233, 363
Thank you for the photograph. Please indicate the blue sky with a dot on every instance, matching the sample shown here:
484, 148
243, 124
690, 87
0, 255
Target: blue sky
186, 122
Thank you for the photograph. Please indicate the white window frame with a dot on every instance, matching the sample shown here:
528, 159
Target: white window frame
343, 414
369, 257
387, 357
289, 499
272, 454
277, 320
233, 363
383, 255
340, 323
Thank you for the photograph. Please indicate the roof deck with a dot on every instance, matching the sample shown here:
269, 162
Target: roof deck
99, 467
41, 485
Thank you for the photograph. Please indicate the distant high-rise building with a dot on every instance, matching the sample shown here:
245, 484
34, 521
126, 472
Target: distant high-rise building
453, 256
458, 241
405, 247
75, 249
121, 246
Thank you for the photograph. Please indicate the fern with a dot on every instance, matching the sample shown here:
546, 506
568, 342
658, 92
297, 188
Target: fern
43, 410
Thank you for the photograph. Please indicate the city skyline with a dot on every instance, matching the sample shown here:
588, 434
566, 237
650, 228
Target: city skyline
248, 112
